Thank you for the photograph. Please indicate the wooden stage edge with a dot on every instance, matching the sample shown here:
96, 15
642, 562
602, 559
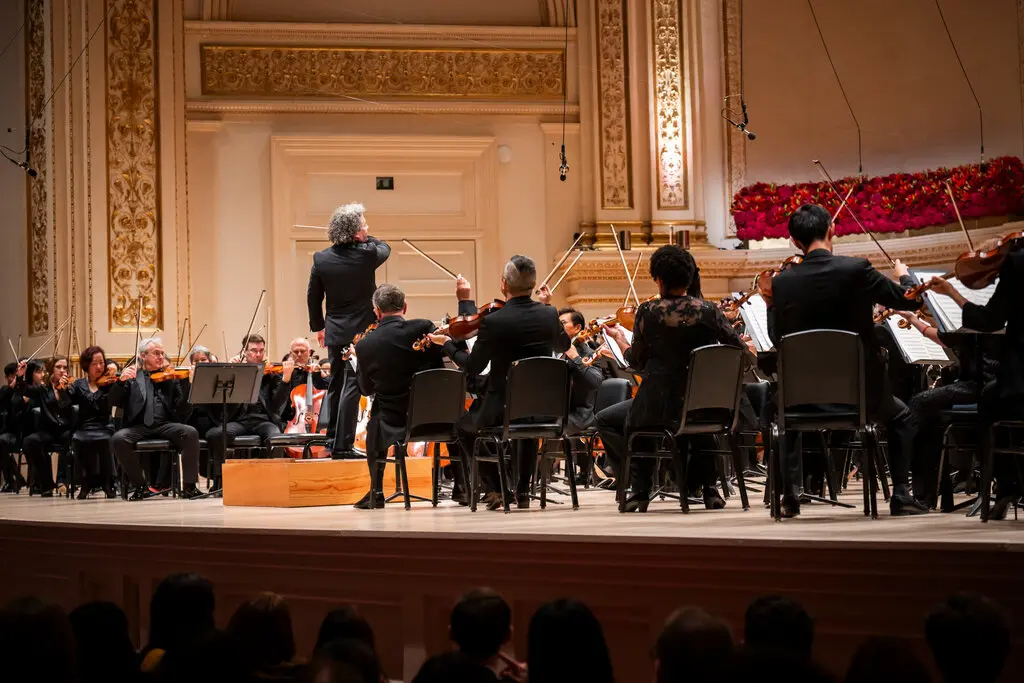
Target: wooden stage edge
403, 570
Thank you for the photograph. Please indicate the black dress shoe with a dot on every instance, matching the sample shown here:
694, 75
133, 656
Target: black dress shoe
790, 507
638, 501
345, 455
83, 493
140, 493
1002, 504
902, 505
493, 501
522, 500
109, 492
713, 499
46, 494
364, 502
190, 491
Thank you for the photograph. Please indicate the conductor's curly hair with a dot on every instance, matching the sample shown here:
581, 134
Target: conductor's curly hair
676, 269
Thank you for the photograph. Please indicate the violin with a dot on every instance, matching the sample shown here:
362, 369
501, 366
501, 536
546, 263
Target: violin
884, 315
763, 280
976, 269
350, 352
169, 373
462, 327
107, 379
626, 315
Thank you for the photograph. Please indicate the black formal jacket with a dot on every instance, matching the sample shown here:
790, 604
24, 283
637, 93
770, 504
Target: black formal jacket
131, 397
344, 273
665, 333
54, 409
834, 292
386, 363
93, 407
1006, 307
524, 328
585, 383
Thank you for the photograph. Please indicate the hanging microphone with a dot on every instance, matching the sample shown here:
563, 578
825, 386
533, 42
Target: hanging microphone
741, 126
564, 167
28, 157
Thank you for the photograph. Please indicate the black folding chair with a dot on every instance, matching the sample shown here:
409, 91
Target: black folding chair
802, 391
613, 390
437, 399
1013, 431
536, 407
710, 406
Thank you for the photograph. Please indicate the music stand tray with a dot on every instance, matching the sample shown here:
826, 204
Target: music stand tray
227, 384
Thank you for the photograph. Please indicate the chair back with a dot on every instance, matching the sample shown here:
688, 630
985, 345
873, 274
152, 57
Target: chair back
822, 367
611, 391
437, 399
714, 382
538, 390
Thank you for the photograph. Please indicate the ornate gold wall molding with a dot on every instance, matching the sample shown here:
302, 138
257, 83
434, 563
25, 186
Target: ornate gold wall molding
736, 150
38, 59
431, 107
133, 258
360, 35
669, 103
282, 71
613, 105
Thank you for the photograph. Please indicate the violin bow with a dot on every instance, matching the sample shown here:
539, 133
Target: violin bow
424, 255
252, 322
561, 261
572, 265
835, 190
48, 340
845, 199
622, 258
138, 333
192, 344
967, 235
181, 340
636, 269
13, 350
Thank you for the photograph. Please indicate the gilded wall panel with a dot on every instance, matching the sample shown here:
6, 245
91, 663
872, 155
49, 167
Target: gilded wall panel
613, 105
133, 258
38, 57
669, 104
736, 151
277, 71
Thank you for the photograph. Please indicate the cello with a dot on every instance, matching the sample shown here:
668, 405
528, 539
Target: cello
306, 401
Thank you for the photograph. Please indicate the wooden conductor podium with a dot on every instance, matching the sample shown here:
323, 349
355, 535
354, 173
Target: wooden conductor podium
287, 482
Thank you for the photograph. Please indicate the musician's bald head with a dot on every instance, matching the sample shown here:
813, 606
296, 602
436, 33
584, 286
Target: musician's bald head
519, 276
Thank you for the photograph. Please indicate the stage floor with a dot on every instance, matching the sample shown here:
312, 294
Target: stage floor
596, 520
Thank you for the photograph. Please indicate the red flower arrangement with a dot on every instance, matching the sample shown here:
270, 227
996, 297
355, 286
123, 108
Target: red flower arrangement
892, 203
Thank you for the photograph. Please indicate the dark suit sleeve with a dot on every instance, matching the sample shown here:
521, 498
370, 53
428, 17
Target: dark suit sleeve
590, 377
363, 376
382, 248
315, 298
884, 291
458, 354
278, 397
482, 351
467, 307
182, 407
992, 316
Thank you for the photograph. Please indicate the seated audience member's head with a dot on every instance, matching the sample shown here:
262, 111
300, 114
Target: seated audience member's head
453, 667
748, 665
36, 642
213, 657
481, 622
811, 224
345, 622
181, 610
673, 270
104, 652
966, 623
561, 627
519, 276
262, 627
885, 660
345, 660
779, 624
693, 646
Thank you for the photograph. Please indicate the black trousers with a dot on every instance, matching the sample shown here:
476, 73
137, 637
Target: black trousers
524, 454
94, 459
343, 400
611, 425
260, 428
38, 447
8, 463
182, 436
924, 430
993, 408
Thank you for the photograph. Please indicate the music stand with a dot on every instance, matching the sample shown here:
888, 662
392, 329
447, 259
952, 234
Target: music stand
227, 384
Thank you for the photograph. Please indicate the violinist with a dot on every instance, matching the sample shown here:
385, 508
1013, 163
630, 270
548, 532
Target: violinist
523, 328
47, 392
301, 354
387, 363
153, 410
826, 291
203, 416
264, 418
93, 429
586, 380
665, 332
1002, 399
10, 431
344, 274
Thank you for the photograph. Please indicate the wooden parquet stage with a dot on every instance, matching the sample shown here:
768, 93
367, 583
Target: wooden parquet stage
404, 569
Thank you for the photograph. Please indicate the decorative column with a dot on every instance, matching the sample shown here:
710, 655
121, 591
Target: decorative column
39, 65
614, 150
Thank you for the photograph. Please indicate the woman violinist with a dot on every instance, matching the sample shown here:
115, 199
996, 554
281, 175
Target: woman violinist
1003, 398
47, 390
91, 439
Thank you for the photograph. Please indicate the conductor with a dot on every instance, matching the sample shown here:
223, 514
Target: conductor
344, 274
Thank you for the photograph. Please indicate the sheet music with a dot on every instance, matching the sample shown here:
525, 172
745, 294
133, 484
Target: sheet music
614, 348
915, 347
755, 316
948, 316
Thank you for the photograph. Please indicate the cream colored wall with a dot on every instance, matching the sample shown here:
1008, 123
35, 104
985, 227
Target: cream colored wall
901, 76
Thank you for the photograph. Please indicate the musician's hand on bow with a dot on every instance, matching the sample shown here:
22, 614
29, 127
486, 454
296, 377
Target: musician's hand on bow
325, 370
128, 374
899, 268
438, 339
746, 339
942, 286
22, 365
235, 359
544, 295
616, 332
571, 353
909, 316
320, 339
287, 368
463, 289
605, 352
